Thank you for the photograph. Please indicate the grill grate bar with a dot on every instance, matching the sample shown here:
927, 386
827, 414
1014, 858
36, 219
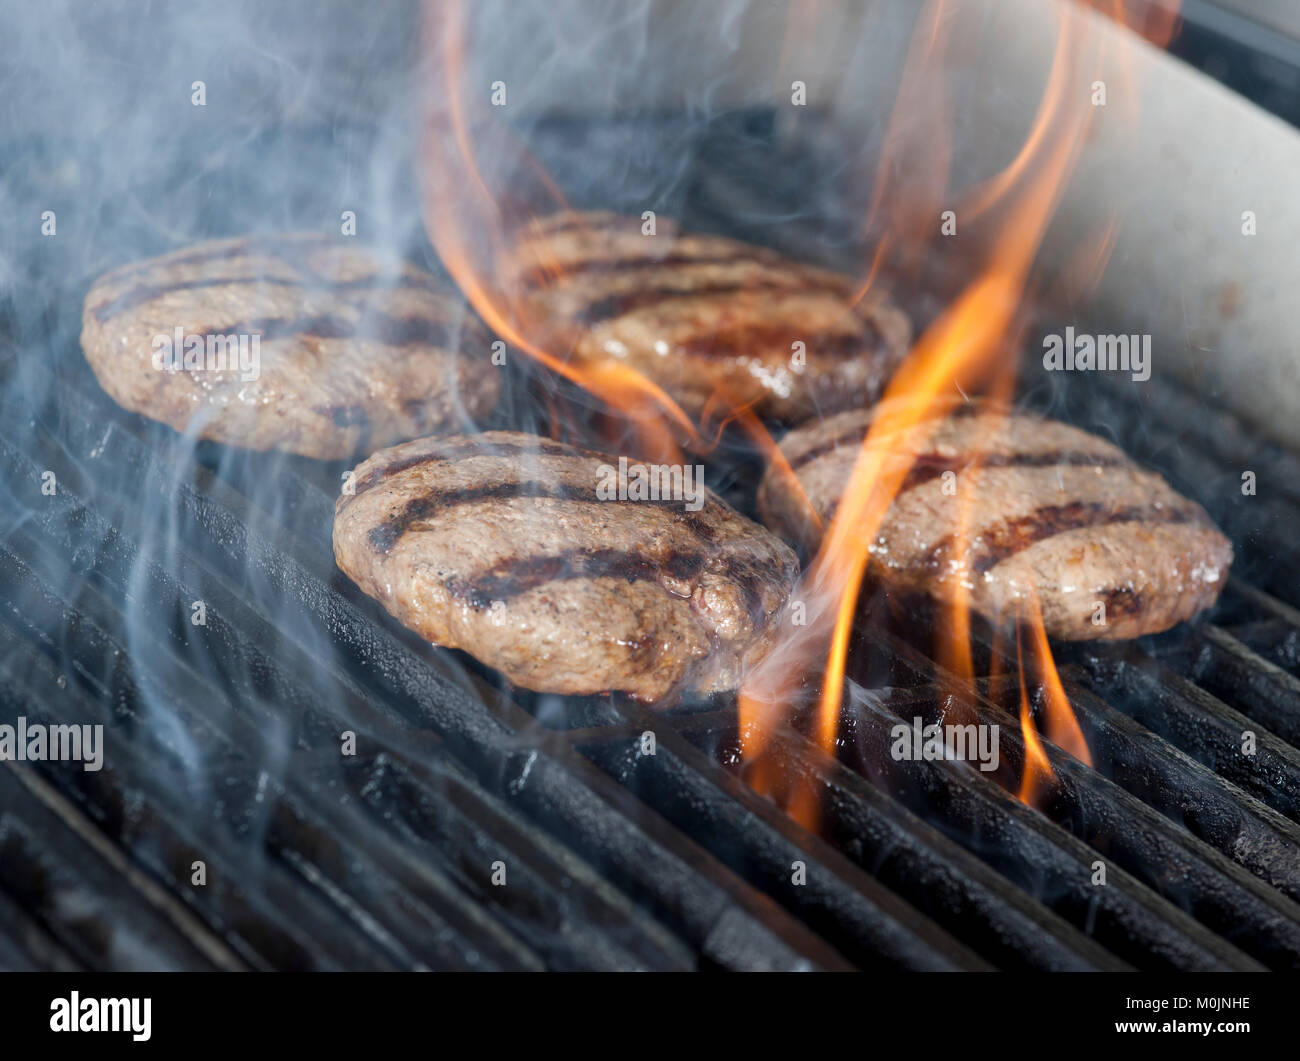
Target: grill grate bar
1225, 664
1192, 872
548, 885
743, 927
1127, 916
667, 859
835, 899
1180, 712
267, 918
1242, 594
26, 945
44, 849
913, 859
1174, 419
298, 817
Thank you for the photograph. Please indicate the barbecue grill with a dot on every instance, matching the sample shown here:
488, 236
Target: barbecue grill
293, 781
479, 827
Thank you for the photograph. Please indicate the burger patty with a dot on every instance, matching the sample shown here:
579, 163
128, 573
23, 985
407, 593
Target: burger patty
354, 351
704, 317
1031, 508
501, 545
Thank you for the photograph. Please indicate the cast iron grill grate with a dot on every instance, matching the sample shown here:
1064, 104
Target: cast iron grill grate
223, 749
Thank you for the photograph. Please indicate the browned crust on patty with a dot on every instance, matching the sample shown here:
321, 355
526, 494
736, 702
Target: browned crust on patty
704, 317
355, 351
1032, 508
500, 545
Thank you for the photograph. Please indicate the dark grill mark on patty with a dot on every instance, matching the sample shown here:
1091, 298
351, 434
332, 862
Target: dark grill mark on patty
459, 452
991, 546
388, 533
612, 306
702, 529
855, 436
930, 466
143, 293
750, 340
942, 462
519, 575
542, 276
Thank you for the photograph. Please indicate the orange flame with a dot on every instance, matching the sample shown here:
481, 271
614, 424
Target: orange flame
960, 352
1059, 721
472, 230
967, 349
1037, 774
1061, 725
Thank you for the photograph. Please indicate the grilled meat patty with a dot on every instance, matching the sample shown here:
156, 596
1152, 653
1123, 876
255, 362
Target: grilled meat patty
501, 545
704, 317
1044, 509
354, 351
